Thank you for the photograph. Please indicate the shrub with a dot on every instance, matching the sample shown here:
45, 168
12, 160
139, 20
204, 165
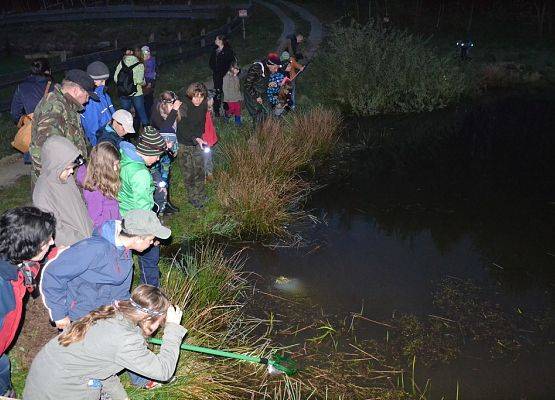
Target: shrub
371, 71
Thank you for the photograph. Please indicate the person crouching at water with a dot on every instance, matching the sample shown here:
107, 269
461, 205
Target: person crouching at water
83, 362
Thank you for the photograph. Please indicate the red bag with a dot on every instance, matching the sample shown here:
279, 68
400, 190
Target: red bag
209, 134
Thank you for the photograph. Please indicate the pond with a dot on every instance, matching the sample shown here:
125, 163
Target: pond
415, 206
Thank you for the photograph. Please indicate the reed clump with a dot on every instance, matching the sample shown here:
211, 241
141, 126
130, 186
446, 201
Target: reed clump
259, 186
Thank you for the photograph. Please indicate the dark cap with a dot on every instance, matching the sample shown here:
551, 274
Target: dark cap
83, 79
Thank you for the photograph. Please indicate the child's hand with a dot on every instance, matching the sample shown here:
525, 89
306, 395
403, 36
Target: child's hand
176, 104
259, 100
62, 323
272, 84
174, 314
201, 142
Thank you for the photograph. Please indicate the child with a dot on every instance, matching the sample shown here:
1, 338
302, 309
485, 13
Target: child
232, 93
192, 140
25, 238
100, 182
97, 113
84, 361
137, 188
274, 81
57, 192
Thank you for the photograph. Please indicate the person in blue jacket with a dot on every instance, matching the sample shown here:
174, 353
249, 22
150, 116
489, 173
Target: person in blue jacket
97, 113
29, 92
98, 270
115, 130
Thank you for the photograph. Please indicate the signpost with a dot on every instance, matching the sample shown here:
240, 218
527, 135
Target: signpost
243, 14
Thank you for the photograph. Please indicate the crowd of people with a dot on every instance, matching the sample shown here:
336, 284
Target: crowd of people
100, 178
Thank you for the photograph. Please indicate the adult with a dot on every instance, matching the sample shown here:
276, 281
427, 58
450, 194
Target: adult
98, 270
83, 362
164, 116
56, 191
114, 131
97, 113
57, 114
130, 78
25, 237
29, 92
150, 78
292, 44
256, 85
137, 188
221, 59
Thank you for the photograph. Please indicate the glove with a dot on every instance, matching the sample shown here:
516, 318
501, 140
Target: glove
174, 315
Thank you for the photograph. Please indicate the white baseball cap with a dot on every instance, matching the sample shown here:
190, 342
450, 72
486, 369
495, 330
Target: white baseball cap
125, 118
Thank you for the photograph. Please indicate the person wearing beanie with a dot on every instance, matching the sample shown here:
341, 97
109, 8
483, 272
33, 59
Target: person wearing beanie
256, 84
120, 125
97, 113
150, 78
137, 190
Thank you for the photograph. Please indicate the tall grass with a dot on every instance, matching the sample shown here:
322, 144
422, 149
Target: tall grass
259, 186
372, 71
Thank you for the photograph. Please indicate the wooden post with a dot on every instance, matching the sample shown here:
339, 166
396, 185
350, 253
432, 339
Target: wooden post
203, 37
63, 55
179, 41
151, 38
229, 25
115, 44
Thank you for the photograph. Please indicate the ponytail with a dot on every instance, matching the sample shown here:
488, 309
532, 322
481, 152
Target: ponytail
79, 329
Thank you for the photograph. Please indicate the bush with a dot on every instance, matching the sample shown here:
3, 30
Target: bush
259, 186
370, 71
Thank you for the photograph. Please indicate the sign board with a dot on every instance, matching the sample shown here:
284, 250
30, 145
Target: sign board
243, 13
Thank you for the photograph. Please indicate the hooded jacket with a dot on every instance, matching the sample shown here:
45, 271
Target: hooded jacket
138, 73
101, 208
97, 114
137, 187
108, 134
12, 292
232, 88
89, 274
63, 199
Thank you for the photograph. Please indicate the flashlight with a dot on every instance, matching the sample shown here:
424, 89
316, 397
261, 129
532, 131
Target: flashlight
206, 149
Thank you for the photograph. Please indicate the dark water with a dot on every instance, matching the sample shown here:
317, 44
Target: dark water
466, 193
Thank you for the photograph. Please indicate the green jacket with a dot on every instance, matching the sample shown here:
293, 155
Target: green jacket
56, 114
138, 73
137, 186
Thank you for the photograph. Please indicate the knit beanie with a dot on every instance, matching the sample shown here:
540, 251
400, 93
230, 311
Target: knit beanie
284, 56
97, 70
151, 142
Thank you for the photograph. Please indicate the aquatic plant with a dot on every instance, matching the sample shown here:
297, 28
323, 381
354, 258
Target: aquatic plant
370, 70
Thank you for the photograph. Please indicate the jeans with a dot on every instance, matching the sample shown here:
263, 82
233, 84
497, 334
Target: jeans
138, 103
5, 381
137, 380
148, 264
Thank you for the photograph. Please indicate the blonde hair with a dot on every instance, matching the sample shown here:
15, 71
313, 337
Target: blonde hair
145, 296
196, 88
101, 174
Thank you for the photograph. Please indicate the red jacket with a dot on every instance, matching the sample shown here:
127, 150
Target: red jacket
12, 292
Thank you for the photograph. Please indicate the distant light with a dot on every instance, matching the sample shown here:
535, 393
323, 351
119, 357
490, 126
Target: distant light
206, 149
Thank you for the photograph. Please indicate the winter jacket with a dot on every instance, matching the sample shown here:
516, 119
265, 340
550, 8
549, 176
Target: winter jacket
137, 186
57, 114
256, 81
27, 95
110, 346
97, 114
108, 134
12, 292
100, 207
272, 92
150, 69
232, 88
138, 73
220, 61
192, 124
89, 274
63, 199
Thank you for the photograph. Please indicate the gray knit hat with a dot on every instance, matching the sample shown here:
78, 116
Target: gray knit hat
98, 70
151, 142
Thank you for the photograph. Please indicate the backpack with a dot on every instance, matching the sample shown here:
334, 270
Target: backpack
125, 83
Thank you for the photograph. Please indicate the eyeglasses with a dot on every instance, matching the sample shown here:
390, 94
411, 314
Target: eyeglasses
172, 99
80, 160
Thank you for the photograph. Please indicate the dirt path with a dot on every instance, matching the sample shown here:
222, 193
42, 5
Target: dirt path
11, 169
